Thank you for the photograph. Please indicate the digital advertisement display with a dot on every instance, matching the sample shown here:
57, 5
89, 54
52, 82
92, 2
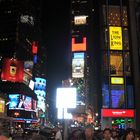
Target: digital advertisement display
21, 102
28, 65
116, 64
79, 55
12, 70
14, 100
2, 106
40, 84
79, 46
77, 68
40, 91
117, 80
41, 103
80, 20
117, 97
27, 76
66, 97
115, 34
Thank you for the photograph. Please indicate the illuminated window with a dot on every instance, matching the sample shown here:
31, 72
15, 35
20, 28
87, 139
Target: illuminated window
116, 64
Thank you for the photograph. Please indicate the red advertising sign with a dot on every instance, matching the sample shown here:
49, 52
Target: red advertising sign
12, 70
79, 46
121, 113
34, 47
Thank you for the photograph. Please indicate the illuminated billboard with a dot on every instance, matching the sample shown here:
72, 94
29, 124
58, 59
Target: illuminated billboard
79, 46
40, 91
2, 106
40, 83
117, 80
12, 70
115, 34
80, 20
63, 114
20, 102
116, 64
77, 68
78, 55
28, 67
122, 113
117, 98
66, 98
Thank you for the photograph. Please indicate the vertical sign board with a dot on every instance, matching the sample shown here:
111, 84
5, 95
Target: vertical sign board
115, 36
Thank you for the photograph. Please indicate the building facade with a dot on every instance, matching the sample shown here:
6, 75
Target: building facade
120, 69
81, 12
20, 52
111, 32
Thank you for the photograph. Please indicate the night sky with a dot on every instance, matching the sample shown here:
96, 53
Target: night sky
56, 35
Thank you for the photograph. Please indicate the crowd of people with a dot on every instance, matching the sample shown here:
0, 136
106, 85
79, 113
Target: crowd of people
86, 133
107, 134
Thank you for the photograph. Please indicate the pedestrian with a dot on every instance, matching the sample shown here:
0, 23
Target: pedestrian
129, 134
89, 133
107, 134
2, 137
58, 135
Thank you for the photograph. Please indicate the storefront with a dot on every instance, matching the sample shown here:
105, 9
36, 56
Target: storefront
117, 118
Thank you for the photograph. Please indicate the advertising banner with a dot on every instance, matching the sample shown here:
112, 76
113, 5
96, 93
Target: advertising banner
79, 46
122, 113
115, 34
117, 80
2, 106
77, 68
12, 70
80, 20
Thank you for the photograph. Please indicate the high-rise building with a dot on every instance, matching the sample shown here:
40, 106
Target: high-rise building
111, 33
120, 68
81, 11
21, 55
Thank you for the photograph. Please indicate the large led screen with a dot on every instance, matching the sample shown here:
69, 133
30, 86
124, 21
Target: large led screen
117, 97
66, 98
41, 103
79, 55
21, 102
77, 68
14, 100
79, 46
116, 64
40, 83
80, 20
27, 103
12, 70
